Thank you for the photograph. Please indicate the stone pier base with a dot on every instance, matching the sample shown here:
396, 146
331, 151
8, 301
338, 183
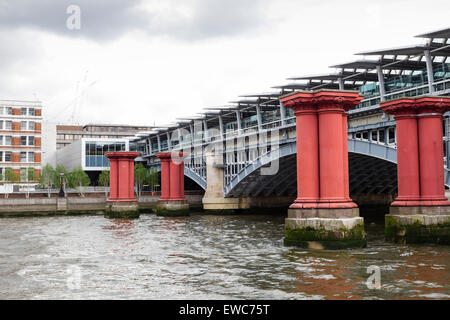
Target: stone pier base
418, 224
172, 208
325, 228
122, 210
219, 205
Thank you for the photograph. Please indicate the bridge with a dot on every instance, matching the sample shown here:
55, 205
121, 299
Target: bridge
247, 153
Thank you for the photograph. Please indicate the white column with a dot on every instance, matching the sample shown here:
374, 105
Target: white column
282, 114
221, 127
238, 119
159, 143
341, 84
381, 83
430, 72
258, 116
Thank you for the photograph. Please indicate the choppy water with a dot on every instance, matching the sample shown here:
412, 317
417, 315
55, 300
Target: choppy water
203, 257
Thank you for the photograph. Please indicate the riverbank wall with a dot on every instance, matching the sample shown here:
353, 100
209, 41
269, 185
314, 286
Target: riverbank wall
21, 205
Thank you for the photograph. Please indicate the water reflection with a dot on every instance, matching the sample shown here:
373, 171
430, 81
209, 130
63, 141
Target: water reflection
204, 257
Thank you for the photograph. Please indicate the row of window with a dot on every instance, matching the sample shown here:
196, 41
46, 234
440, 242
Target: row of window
378, 136
24, 111
6, 156
24, 140
24, 125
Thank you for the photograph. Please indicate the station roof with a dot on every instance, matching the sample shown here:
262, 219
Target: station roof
389, 64
443, 34
414, 50
354, 76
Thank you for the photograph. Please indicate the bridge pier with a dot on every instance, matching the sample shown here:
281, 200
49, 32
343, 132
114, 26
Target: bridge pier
323, 216
172, 201
214, 201
421, 212
121, 202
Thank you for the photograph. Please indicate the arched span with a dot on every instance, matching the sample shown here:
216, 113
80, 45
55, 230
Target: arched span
190, 174
364, 148
282, 152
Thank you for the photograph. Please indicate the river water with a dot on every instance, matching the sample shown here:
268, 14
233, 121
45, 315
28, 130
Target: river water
205, 257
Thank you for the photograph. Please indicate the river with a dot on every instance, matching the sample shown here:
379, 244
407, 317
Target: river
204, 257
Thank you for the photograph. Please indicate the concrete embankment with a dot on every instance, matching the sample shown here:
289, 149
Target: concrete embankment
15, 206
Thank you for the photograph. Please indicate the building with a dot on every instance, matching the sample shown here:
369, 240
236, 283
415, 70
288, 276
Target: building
66, 134
20, 139
89, 153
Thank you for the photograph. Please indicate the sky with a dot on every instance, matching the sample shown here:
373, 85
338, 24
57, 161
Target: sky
150, 62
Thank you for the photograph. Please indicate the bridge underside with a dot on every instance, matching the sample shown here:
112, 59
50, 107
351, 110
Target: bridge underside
368, 175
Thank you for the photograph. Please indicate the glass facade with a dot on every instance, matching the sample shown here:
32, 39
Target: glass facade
95, 152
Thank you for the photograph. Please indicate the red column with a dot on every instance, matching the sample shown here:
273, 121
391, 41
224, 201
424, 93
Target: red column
322, 152
172, 177
165, 175
420, 164
407, 160
431, 149
307, 149
120, 177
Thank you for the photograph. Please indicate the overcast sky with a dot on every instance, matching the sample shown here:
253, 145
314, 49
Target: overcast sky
149, 62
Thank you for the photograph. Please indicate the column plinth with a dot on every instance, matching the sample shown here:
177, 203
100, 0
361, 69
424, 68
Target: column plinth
421, 212
323, 203
172, 201
122, 202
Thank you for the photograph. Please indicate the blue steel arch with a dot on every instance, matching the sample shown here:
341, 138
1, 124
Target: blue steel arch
190, 174
367, 148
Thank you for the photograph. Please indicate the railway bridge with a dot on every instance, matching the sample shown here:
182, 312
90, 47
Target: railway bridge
375, 127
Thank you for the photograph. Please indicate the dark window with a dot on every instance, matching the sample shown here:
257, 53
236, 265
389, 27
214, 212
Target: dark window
23, 141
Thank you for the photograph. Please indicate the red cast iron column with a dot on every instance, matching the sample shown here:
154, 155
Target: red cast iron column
431, 149
165, 175
404, 112
333, 149
307, 149
120, 165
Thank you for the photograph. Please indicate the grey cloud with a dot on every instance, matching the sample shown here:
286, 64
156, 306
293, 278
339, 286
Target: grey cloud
109, 19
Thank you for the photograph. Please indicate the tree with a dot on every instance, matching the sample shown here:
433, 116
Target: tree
57, 176
140, 177
10, 176
47, 178
103, 180
31, 175
153, 178
78, 179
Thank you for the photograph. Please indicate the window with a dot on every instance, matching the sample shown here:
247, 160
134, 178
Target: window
8, 125
31, 141
391, 135
30, 156
1, 140
2, 110
8, 140
7, 156
23, 141
31, 125
23, 157
365, 135
31, 111
23, 111
1, 124
1, 156
23, 125
381, 135
8, 110
374, 134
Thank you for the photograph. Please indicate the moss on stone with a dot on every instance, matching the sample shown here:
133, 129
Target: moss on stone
336, 239
172, 213
132, 214
416, 232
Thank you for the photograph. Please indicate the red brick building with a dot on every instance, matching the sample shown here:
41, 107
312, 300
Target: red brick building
21, 139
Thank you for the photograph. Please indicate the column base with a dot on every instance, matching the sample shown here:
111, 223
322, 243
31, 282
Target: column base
418, 224
172, 208
324, 233
224, 205
122, 210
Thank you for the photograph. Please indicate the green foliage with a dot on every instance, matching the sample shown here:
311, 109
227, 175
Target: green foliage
11, 176
153, 177
103, 178
31, 175
57, 176
79, 178
47, 176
